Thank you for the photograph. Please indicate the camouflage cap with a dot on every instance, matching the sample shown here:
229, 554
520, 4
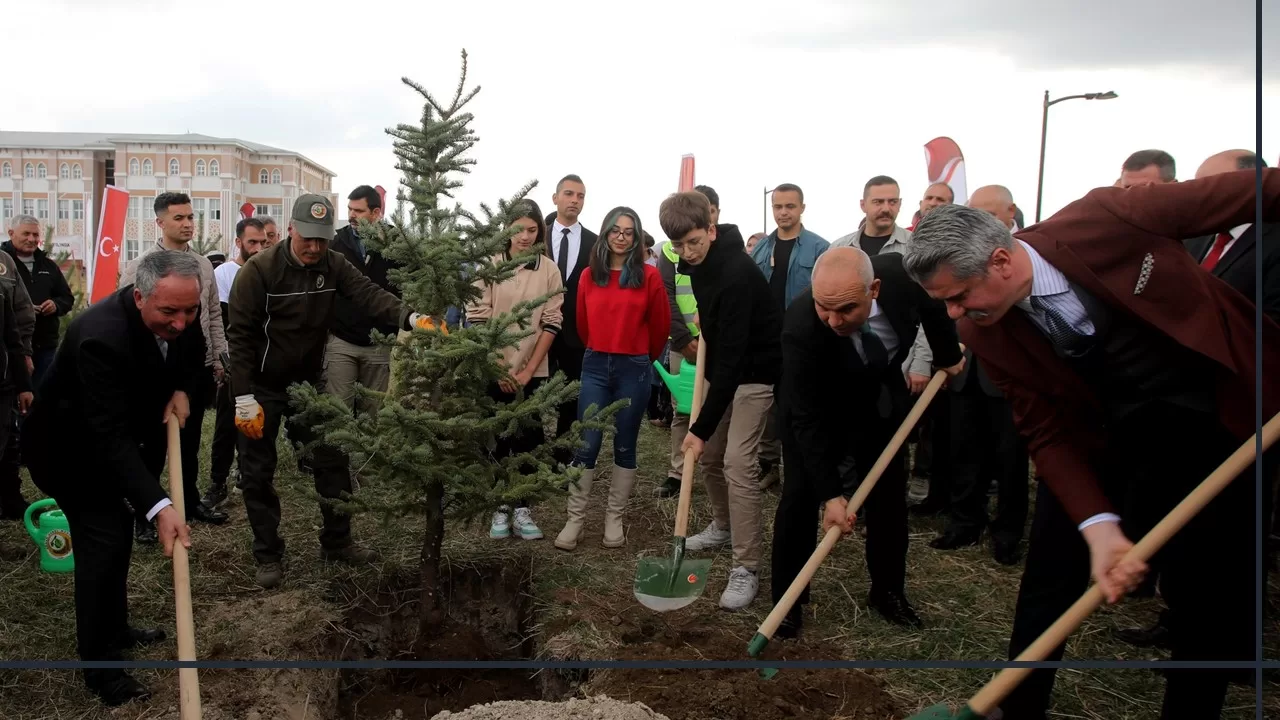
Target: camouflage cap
313, 216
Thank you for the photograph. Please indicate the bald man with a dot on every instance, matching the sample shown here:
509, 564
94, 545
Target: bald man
997, 200
844, 394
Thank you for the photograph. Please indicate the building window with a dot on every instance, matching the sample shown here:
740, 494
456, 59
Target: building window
214, 170
133, 166
76, 172
198, 211
138, 207
42, 172
64, 171
275, 177
28, 207
42, 209
173, 166
200, 168
215, 210
29, 171
272, 211
6, 170
77, 209
64, 209
146, 167
262, 177
6, 209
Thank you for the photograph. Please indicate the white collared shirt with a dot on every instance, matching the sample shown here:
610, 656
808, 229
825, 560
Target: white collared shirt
1235, 233
554, 237
883, 329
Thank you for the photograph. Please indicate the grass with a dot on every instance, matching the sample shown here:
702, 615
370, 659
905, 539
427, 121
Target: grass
965, 598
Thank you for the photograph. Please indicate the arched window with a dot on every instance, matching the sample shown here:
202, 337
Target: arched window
133, 166
200, 168
173, 166
6, 170
275, 177
262, 177
214, 170
29, 171
76, 172
146, 166
42, 172
64, 171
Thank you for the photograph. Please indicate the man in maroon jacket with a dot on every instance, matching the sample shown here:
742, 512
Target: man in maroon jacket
1130, 372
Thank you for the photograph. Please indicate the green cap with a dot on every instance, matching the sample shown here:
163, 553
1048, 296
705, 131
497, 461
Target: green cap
313, 216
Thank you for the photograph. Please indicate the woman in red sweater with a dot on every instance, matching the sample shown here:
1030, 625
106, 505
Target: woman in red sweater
623, 320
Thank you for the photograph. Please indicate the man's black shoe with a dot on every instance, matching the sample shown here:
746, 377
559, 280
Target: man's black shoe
204, 514
1005, 552
115, 687
137, 637
951, 540
216, 495
144, 532
1158, 635
894, 608
791, 625
669, 488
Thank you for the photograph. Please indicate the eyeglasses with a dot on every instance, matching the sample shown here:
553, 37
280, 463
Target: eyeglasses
615, 233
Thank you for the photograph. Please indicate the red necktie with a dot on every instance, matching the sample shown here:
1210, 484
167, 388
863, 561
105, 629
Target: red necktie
1215, 253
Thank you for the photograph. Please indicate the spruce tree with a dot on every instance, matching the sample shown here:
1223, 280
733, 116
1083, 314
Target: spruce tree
430, 442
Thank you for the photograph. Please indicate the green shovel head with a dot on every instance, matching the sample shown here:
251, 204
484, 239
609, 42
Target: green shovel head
943, 712
670, 583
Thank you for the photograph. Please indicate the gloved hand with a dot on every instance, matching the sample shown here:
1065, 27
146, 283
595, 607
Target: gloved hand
425, 322
249, 417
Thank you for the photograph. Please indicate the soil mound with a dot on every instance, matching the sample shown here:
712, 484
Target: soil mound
594, 708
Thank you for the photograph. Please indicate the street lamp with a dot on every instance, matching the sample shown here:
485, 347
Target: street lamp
1044, 129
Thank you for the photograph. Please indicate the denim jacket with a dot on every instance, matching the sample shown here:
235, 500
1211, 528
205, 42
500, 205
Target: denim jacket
809, 245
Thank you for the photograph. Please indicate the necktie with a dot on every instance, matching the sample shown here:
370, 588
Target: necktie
1061, 333
877, 357
359, 245
1215, 253
563, 259
164, 349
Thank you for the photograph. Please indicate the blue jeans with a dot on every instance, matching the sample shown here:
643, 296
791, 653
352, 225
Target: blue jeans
607, 378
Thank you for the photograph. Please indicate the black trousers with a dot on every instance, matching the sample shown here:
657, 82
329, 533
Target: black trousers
1207, 573
102, 533
223, 451
328, 465
189, 448
934, 449
569, 361
795, 529
986, 446
10, 480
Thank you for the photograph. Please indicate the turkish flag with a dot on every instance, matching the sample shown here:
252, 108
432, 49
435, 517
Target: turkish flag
686, 174
382, 197
246, 211
106, 259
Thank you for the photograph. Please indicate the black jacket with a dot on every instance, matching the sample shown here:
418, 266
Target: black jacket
567, 340
739, 324
44, 282
351, 322
1260, 244
827, 394
108, 387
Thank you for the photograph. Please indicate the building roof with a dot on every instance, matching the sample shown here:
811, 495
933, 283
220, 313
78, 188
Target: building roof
107, 141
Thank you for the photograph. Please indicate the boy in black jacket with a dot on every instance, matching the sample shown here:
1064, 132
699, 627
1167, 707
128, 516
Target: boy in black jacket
739, 322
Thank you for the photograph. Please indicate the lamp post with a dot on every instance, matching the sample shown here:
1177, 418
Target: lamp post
764, 216
1044, 130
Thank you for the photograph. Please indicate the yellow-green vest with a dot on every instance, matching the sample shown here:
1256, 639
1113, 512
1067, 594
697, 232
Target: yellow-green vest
684, 291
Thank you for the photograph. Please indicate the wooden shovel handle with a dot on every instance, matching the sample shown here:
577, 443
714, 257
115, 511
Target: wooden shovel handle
832, 536
990, 696
188, 678
686, 478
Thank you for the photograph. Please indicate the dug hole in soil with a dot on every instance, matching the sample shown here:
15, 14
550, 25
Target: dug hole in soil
491, 616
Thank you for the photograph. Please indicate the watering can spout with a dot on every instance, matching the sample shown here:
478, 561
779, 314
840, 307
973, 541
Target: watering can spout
680, 385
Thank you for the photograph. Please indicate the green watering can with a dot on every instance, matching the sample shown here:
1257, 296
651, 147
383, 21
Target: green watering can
53, 535
680, 385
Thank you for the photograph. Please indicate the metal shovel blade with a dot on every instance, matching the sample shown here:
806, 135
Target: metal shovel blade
671, 583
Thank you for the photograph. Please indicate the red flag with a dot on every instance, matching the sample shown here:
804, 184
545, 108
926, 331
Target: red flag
945, 163
686, 174
382, 197
246, 211
106, 261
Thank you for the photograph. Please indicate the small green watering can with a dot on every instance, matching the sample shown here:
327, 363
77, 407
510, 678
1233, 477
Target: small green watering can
680, 385
53, 535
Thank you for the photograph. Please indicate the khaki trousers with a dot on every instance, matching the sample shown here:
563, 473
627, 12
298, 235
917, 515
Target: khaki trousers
731, 471
346, 364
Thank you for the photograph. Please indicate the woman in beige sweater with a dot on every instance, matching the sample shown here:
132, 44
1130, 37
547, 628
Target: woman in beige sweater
527, 361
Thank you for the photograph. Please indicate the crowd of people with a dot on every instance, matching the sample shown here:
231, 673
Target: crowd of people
1112, 345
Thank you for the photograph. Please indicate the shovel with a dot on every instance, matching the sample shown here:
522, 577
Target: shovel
775, 618
670, 583
994, 692
188, 678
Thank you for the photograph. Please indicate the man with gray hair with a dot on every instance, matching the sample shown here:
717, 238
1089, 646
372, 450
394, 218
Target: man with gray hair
22, 229
1147, 167
1131, 374
127, 363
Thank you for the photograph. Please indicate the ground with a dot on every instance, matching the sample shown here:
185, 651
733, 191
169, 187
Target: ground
529, 600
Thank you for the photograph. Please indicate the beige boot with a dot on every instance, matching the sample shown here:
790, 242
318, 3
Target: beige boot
577, 511
619, 493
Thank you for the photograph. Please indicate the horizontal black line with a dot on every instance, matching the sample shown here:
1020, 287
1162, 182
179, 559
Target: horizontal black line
628, 664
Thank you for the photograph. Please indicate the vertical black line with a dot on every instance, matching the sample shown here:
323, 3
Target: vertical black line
1263, 531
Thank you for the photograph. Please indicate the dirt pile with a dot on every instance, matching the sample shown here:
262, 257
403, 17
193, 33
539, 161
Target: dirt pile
594, 708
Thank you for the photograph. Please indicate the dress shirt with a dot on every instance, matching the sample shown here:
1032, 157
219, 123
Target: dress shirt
575, 243
883, 329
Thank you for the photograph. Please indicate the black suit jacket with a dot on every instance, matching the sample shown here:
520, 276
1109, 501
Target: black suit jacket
567, 339
828, 396
972, 368
351, 322
107, 389
1238, 266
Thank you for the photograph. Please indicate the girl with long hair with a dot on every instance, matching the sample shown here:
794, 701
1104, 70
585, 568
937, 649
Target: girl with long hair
623, 319
527, 361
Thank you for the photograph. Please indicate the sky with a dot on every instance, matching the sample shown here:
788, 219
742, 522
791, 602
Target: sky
823, 94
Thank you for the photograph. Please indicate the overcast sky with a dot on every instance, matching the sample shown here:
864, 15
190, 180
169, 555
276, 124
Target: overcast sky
822, 94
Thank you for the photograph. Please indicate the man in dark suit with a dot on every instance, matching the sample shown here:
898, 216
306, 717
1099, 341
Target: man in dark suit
124, 366
569, 245
1131, 373
844, 395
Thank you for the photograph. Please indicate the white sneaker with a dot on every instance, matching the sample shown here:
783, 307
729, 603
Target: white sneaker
709, 538
500, 528
525, 525
742, 588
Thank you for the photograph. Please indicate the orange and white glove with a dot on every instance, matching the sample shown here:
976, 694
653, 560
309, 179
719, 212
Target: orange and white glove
425, 322
249, 417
